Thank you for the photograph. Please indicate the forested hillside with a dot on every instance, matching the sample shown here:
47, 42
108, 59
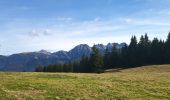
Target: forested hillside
137, 53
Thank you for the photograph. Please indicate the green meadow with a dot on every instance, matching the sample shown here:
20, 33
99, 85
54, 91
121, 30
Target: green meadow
142, 83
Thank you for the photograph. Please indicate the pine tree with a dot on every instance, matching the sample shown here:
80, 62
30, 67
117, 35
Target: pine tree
167, 49
115, 57
107, 59
96, 60
84, 64
143, 50
132, 52
124, 56
155, 51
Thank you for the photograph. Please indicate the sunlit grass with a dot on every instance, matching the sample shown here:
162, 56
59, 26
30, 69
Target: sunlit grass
148, 82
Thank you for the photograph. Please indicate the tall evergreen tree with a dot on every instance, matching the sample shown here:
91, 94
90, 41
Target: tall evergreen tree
115, 57
85, 65
155, 51
124, 56
167, 49
107, 59
96, 60
143, 50
132, 52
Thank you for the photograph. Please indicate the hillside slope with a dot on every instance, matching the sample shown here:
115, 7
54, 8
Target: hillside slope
147, 82
30, 60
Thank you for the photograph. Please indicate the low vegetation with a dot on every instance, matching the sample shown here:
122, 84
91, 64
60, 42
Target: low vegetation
148, 82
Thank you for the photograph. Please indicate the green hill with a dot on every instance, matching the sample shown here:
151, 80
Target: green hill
147, 82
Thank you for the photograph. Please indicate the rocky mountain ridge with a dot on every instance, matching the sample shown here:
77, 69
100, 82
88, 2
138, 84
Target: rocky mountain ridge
30, 60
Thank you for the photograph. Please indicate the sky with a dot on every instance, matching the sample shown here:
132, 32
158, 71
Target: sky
32, 25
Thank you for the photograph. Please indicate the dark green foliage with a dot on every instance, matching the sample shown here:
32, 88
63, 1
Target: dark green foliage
167, 49
157, 52
115, 57
39, 69
144, 52
96, 60
132, 52
124, 56
107, 60
85, 65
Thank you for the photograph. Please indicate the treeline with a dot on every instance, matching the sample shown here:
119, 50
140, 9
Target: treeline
137, 53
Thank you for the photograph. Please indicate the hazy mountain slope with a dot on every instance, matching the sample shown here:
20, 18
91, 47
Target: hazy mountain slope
29, 61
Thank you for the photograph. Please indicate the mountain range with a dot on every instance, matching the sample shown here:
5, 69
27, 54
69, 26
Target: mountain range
29, 61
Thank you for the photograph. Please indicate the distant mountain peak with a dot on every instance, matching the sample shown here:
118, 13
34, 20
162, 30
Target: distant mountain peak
81, 46
79, 51
44, 52
28, 61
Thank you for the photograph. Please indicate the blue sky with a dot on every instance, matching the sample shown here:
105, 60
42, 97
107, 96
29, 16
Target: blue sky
32, 25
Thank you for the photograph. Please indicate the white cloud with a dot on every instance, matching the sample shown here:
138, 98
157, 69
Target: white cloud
58, 36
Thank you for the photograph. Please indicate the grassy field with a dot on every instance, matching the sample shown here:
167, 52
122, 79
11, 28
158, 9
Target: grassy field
144, 83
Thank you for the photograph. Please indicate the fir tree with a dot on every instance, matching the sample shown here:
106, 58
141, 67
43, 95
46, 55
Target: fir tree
132, 52
96, 60
167, 49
